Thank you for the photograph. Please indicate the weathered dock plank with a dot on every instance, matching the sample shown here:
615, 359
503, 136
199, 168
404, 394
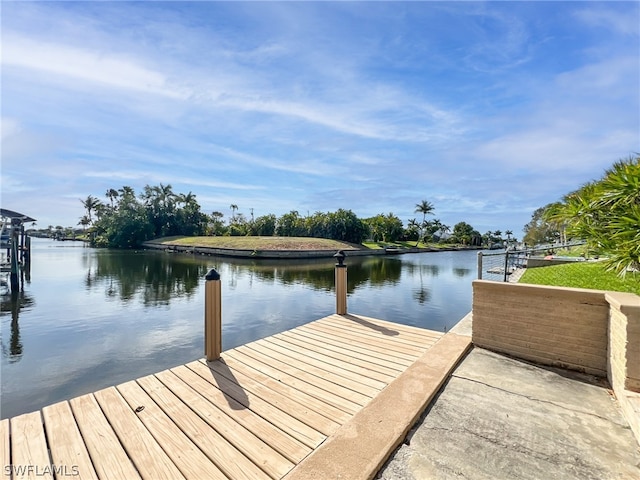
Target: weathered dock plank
29, 453
109, 458
301, 378
65, 442
5, 448
227, 443
151, 461
284, 443
189, 459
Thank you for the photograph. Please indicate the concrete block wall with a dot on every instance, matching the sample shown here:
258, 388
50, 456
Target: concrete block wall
590, 331
554, 326
624, 341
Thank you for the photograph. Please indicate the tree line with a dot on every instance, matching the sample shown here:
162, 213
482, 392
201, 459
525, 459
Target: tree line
126, 220
604, 212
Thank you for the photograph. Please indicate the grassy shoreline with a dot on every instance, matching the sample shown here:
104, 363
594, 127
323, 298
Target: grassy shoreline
273, 243
590, 275
259, 243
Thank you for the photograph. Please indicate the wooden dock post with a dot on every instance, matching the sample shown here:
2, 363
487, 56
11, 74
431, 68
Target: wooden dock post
341, 284
479, 265
212, 316
13, 276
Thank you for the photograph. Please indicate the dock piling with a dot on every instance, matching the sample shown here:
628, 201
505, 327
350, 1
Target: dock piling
341, 284
13, 276
212, 316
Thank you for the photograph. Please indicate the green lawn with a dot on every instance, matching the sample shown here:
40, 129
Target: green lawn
404, 244
260, 243
582, 275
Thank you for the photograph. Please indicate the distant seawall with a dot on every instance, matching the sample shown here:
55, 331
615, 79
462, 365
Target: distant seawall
287, 254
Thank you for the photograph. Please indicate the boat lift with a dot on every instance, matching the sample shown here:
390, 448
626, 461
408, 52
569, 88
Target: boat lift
15, 247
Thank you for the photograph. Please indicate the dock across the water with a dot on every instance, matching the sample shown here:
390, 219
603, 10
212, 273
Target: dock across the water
337, 394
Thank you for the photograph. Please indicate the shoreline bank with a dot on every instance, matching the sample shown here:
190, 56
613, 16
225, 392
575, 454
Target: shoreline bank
288, 253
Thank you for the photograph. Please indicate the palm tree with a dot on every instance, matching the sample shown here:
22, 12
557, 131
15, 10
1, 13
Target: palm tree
112, 194
233, 208
437, 227
508, 233
186, 199
606, 214
413, 226
165, 194
90, 204
445, 229
84, 221
126, 191
425, 208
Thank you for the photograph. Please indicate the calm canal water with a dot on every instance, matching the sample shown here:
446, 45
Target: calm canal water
90, 318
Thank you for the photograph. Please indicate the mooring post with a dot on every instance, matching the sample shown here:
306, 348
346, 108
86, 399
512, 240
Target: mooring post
479, 265
13, 276
27, 252
341, 284
506, 264
212, 316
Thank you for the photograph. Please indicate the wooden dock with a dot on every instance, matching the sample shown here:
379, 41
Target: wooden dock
256, 413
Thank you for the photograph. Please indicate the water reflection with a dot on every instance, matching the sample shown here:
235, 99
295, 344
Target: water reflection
461, 272
317, 273
105, 317
12, 303
156, 279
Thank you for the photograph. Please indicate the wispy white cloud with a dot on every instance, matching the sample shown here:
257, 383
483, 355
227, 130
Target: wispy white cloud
623, 21
108, 69
155, 179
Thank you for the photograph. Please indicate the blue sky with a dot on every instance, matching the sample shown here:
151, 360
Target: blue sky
489, 110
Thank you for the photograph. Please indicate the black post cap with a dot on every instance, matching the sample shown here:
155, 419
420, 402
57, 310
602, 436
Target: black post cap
212, 275
339, 256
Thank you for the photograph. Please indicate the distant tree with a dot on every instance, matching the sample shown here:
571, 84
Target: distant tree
426, 208
126, 226
216, 224
157, 212
606, 213
189, 220
264, 225
239, 227
233, 208
346, 226
433, 230
541, 230
112, 194
413, 230
126, 191
487, 238
465, 234
387, 228
291, 225
90, 204
160, 203
84, 221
